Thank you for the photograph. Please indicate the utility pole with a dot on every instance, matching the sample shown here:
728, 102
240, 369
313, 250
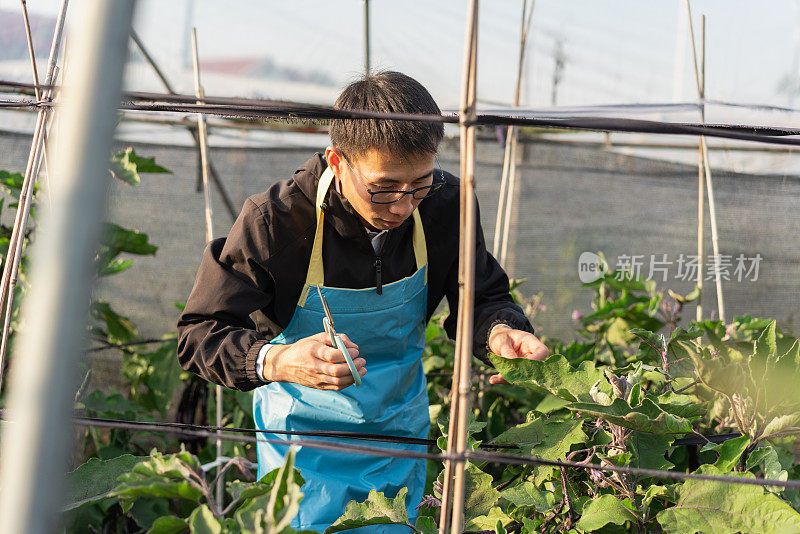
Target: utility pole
558, 68
366, 38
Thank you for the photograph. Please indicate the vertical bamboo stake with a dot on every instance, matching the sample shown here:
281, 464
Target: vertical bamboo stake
512, 181
203, 134
35, 446
31, 53
37, 90
366, 39
501, 199
212, 172
467, 287
11, 265
15, 247
459, 409
701, 82
700, 181
505, 200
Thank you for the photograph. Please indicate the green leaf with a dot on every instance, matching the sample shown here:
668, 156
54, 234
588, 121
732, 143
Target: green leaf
652, 345
120, 329
604, 510
95, 479
114, 267
718, 508
718, 373
650, 450
680, 405
377, 509
555, 374
112, 405
488, 521
246, 490
526, 494
683, 299
767, 456
729, 452
11, 182
153, 376
426, 525
171, 476
202, 521
473, 426
479, 493
653, 492
121, 239
285, 496
168, 524
251, 516
764, 354
549, 439
147, 510
126, 166
647, 417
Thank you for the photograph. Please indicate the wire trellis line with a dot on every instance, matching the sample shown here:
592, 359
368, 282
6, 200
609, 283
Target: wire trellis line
109, 346
421, 455
386, 438
264, 109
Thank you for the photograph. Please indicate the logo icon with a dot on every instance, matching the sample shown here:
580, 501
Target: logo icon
591, 267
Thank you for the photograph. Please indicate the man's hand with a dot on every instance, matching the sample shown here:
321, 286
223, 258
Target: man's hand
509, 343
313, 362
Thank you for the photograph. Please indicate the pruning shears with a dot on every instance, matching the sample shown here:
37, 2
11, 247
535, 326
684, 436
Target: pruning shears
336, 339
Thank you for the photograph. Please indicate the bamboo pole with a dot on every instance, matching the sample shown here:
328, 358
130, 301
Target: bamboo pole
37, 90
31, 53
504, 201
12, 259
501, 199
209, 218
15, 246
17, 242
366, 39
467, 287
699, 72
700, 182
35, 447
512, 182
459, 409
223, 193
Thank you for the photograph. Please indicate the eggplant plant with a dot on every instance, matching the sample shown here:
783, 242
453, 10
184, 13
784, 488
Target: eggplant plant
622, 397
634, 382
171, 493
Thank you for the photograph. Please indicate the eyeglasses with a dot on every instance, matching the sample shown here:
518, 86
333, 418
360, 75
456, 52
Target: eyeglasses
390, 197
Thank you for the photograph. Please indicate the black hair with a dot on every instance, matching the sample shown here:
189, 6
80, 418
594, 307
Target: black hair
386, 91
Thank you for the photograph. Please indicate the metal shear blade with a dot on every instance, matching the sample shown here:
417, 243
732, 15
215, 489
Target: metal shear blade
327, 309
336, 340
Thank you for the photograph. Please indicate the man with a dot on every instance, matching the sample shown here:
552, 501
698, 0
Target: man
389, 221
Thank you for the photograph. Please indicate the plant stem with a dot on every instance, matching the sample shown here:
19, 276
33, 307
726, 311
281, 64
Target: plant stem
507, 482
567, 500
684, 388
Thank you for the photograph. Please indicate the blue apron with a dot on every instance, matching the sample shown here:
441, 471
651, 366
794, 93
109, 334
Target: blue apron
389, 330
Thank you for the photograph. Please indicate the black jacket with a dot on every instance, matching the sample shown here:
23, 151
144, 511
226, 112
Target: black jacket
248, 284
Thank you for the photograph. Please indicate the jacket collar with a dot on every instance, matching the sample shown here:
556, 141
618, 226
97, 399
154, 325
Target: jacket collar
339, 213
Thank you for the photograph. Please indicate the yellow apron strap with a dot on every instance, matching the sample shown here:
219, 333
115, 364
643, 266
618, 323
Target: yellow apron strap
420, 248
316, 272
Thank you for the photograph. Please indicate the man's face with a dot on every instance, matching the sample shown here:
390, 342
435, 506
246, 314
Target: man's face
380, 170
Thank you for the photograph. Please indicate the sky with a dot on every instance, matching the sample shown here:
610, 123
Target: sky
616, 51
